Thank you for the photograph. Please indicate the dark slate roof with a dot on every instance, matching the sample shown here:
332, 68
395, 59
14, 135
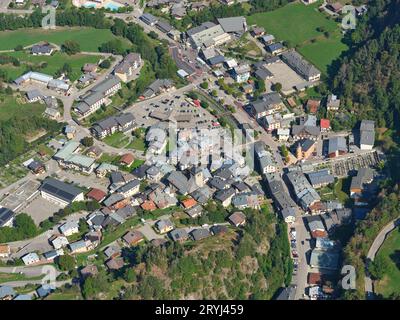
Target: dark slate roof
116, 177
363, 175
129, 186
223, 173
299, 64
288, 212
263, 73
272, 98
337, 144
287, 293
106, 84
222, 195
320, 177
218, 229
140, 172
233, 24
275, 46
164, 26
218, 183
202, 27
149, 18
216, 60
311, 130
178, 234
200, 234
41, 48
178, 180
112, 199
5, 215
126, 212
60, 189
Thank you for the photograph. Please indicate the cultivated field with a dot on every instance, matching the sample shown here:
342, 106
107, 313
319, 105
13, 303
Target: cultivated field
298, 24
89, 38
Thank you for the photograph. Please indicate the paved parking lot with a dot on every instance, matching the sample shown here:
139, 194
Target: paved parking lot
88, 181
149, 232
284, 75
172, 106
40, 209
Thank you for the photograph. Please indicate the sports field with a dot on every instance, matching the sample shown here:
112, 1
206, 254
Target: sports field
298, 24
50, 63
391, 281
89, 38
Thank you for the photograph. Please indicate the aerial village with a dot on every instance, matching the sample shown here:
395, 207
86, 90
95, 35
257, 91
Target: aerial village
316, 178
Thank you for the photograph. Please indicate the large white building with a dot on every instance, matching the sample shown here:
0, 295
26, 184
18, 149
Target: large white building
97, 96
209, 37
367, 134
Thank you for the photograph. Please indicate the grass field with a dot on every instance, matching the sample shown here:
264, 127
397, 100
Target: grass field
10, 106
339, 192
89, 38
137, 144
7, 277
117, 140
51, 63
391, 281
298, 24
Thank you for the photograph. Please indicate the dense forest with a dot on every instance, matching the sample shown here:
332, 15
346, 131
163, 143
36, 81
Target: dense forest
14, 130
369, 82
369, 77
245, 264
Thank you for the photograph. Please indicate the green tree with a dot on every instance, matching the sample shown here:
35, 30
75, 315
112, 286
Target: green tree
129, 275
379, 267
66, 262
277, 87
87, 141
92, 286
71, 47
204, 85
105, 64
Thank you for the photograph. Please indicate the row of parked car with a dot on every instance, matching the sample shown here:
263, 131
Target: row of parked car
293, 245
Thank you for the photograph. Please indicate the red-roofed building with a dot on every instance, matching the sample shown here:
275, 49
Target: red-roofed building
127, 159
96, 194
197, 103
325, 124
335, 7
319, 234
313, 105
149, 205
314, 278
189, 203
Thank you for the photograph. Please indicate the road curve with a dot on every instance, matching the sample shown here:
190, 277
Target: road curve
373, 250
